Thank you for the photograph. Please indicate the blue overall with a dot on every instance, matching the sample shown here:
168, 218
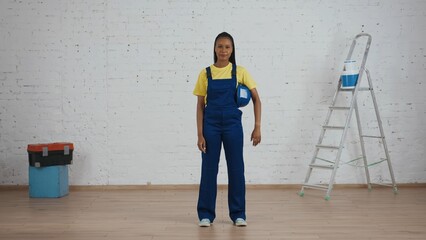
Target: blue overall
222, 124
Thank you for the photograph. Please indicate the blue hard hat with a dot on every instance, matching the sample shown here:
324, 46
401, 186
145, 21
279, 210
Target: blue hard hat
243, 95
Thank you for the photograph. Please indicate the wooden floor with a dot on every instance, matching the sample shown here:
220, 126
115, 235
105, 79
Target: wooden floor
352, 213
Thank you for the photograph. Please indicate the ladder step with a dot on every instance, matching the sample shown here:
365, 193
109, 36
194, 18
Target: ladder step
319, 187
347, 89
327, 146
384, 185
333, 127
331, 167
369, 136
340, 108
364, 89
353, 89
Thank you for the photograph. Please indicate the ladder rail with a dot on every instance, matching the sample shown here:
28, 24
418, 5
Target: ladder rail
339, 152
361, 140
321, 137
351, 49
352, 104
382, 133
330, 110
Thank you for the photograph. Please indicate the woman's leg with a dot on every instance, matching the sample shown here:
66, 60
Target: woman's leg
210, 164
233, 141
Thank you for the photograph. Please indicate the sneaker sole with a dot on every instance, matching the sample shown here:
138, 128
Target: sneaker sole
241, 224
204, 224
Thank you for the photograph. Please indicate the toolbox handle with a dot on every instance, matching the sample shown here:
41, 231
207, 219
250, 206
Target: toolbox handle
45, 151
67, 150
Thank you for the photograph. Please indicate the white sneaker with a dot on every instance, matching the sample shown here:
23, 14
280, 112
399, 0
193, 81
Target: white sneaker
239, 222
205, 222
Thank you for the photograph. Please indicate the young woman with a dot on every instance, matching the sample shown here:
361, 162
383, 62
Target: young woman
219, 122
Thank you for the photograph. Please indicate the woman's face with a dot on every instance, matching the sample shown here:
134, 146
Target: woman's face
223, 49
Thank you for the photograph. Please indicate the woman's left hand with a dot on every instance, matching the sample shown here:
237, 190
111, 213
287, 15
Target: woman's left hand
256, 136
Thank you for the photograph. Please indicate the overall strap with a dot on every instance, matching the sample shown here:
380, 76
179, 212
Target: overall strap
209, 74
234, 73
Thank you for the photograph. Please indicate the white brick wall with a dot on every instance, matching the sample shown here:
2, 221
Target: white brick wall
116, 79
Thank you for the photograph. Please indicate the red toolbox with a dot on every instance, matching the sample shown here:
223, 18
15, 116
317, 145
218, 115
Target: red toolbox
50, 154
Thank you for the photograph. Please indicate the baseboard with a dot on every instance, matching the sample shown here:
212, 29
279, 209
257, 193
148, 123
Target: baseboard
195, 186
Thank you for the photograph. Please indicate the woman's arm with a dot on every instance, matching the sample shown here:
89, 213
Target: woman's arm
201, 143
257, 105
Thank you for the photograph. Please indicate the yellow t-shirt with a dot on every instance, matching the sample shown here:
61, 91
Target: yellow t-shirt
243, 77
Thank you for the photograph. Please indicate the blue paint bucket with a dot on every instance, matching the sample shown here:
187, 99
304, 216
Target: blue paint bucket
349, 80
350, 74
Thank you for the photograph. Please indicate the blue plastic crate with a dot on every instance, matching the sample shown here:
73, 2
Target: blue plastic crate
48, 182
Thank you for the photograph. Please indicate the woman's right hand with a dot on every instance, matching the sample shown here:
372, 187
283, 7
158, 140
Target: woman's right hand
201, 144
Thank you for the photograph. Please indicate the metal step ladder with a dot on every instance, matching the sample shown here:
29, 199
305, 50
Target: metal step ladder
334, 165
